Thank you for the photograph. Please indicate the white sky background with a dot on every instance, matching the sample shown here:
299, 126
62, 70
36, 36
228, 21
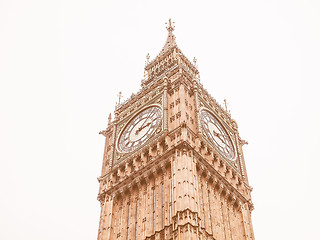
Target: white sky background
62, 64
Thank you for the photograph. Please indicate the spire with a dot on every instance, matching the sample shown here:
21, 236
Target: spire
171, 39
170, 51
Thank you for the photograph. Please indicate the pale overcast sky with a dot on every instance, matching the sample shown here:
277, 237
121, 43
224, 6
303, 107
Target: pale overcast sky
62, 64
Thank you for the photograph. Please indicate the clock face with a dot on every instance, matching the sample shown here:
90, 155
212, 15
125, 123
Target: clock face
217, 134
139, 129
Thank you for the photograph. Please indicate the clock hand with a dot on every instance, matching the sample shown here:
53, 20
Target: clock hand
227, 148
142, 127
219, 135
149, 115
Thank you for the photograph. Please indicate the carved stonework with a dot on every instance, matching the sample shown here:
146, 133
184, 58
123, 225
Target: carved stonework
173, 166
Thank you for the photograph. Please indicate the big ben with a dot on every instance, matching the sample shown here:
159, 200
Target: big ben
173, 166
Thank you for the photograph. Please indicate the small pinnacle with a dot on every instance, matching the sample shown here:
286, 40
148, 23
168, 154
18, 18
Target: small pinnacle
147, 59
109, 119
195, 62
120, 96
226, 105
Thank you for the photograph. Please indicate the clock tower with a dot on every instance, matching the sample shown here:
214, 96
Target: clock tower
173, 166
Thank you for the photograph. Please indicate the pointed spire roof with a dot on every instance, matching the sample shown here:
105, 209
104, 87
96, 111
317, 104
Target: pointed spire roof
171, 39
170, 42
155, 67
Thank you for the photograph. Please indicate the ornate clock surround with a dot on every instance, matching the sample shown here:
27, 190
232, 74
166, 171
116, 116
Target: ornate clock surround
124, 120
235, 161
159, 107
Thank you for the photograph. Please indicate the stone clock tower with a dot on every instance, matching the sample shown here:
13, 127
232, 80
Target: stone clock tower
173, 166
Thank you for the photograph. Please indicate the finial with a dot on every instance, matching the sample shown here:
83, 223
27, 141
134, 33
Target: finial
145, 73
170, 26
198, 77
226, 105
147, 59
120, 96
195, 62
109, 119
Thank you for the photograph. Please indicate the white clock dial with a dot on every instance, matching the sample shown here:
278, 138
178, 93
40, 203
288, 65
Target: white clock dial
139, 129
217, 134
